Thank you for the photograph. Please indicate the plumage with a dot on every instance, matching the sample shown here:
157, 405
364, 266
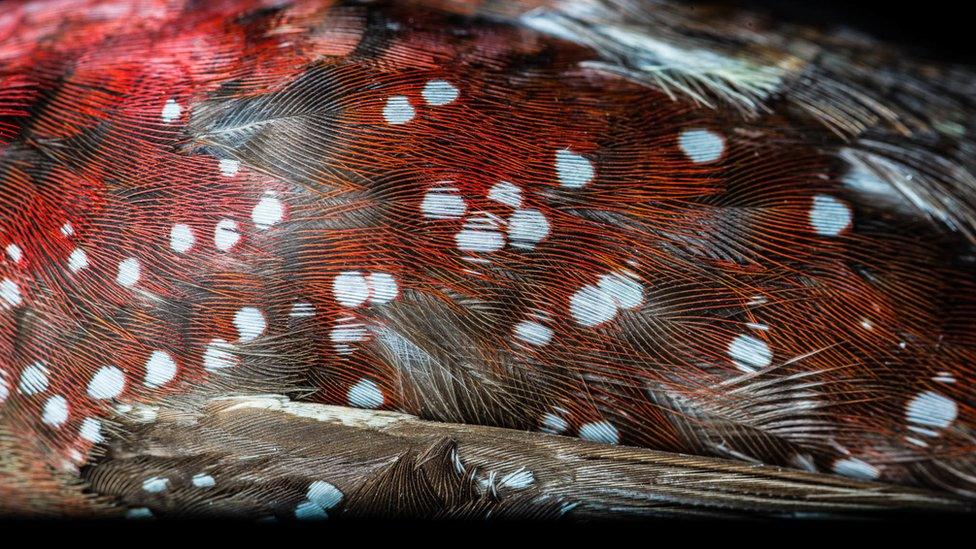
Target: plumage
617, 221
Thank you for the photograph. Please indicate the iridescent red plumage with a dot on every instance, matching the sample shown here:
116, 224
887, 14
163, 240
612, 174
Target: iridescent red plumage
730, 296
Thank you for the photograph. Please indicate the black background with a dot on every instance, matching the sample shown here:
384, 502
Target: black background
936, 29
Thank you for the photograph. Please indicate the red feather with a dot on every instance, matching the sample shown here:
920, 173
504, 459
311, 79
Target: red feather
402, 207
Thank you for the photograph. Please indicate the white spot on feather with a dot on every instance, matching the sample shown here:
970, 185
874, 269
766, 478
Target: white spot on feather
181, 238
599, 431
701, 146
160, 369
931, 409
591, 306
324, 494
365, 394
229, 166
137, 513
155, 485
33, 379
78, 260
308, 510
944, 377
506, 193
443, 203
439, 92
383, 287
203, 480
480, 235
623, 289
829, 216
250, 323
219, 354
129, 272
171, 111
350, 289
108, 382
347, 330
917, 442
55, 411
398, 110
519, 480
321, 497
226, 235
533, 333
302, 309
526, 228
74, 458
553, 424
749, 353
91, 430
10, 292
269, 211
573, 170
14, 252
856, 468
